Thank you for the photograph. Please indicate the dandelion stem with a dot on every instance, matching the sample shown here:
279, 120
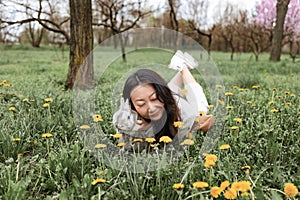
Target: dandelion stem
210, 175
18, 169
99, 192
48, 149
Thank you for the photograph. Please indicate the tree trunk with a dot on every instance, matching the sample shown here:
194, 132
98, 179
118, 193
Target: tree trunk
122, 47
81, 44
281, 10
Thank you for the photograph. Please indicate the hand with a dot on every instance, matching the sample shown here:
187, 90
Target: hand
142, 123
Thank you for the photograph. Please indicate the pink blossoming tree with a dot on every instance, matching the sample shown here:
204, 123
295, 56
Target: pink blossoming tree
266, 18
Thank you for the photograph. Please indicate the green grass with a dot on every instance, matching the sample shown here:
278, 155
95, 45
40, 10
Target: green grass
61, 167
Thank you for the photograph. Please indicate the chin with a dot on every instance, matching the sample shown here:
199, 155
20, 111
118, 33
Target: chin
157, 117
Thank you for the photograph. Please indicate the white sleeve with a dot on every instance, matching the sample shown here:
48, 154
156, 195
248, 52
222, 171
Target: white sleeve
196, 97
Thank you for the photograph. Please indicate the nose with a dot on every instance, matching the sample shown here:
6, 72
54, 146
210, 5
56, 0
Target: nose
151, 107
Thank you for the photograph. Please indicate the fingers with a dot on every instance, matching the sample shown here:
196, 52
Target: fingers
139, 122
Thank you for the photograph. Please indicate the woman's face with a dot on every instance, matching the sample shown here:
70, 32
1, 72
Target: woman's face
146, 103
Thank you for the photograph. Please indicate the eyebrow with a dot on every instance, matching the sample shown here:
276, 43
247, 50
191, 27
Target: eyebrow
154, 93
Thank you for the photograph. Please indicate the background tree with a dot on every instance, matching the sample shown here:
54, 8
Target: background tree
81, 45
266, 19
197, 16
48, 14
281, 10
120, 16
174, 24
228, 28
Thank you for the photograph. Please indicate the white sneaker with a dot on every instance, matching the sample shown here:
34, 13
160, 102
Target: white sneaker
177, 61
190, 61
181, 60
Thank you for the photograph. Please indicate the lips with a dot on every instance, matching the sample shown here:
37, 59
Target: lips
154, 114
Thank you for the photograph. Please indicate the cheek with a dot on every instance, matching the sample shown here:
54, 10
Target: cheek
142, 111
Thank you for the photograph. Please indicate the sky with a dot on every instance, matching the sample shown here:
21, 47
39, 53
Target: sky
214, 5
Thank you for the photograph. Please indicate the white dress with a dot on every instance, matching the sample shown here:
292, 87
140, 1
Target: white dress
190, 103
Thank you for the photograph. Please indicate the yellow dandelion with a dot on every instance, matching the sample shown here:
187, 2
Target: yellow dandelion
117, 135
201, 113
212, 157
274, 111
245, 186
16, 139
215, 191
228, 93
137, 140
235, 87
184, 91
178, 186
224, 185
278, 97
248, 102
25, 100
241, 186
84, 127
210, 106
165, 139
290, 190
243, 89
48, 100
244, 194
255, 86
178, 124
292, 74
97, 118
209, 163
271, 102
299, 113
230, 194
219, 86
150, 140
292, 95
274, 89
286, 92
288, 103
229, 107
224, 146
234, 128
100, 146
154, 145
46, 105
238, 120
98, 180
200, 184
245, 167
187, 142
12, 108
7, 84
47, 135
121, 144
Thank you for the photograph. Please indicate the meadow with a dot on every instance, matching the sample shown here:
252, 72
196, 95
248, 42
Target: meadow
42, 156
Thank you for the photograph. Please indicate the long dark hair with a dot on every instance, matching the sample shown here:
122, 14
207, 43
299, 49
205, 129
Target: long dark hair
164, 94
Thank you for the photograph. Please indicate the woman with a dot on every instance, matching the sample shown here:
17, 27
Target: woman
159, 104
